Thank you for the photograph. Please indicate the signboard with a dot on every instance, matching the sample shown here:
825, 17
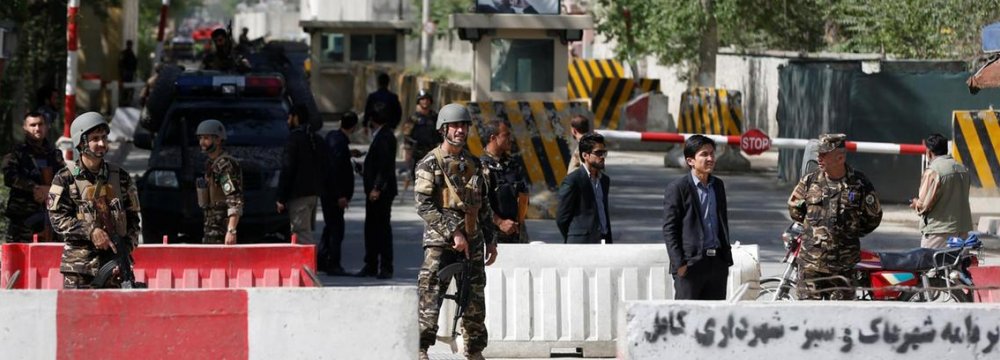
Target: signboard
754, 142
528, 7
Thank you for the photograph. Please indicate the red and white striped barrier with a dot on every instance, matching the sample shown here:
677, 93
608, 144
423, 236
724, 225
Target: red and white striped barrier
754, 142
72, 63
164, 9
329, 323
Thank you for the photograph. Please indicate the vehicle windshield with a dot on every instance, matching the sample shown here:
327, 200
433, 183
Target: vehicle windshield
247, 126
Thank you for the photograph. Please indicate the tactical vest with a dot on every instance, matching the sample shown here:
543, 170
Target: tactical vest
508, 187
464, 189
101, 203
210, 192
951, 212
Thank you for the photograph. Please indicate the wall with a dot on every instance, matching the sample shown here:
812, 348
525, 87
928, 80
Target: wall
815, 331
356, 10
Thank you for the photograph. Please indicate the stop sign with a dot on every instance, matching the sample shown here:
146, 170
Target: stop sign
754, 142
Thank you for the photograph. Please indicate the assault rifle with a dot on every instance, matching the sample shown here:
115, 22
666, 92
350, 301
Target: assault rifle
461, 271
122, 262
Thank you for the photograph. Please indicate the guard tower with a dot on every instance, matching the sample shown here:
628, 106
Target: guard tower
520, 56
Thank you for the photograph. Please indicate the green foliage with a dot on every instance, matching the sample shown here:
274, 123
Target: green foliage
440, 10
672, 30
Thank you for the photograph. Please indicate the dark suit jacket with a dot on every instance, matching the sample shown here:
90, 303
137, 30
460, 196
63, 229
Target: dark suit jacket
304, 166
340, 179
682, 230
393, 109
577, 214
380, 164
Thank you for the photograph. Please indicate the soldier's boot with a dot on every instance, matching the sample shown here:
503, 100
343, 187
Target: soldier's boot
478, 355
422, 355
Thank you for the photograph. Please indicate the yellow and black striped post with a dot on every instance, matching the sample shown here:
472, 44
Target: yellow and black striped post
710, 111
583, 72
976, 144
542, 142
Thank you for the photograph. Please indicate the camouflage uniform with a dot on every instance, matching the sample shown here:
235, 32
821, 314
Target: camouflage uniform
220, 196
836, 214
80, 201
443, 212
29, 165
421, 137
505, 185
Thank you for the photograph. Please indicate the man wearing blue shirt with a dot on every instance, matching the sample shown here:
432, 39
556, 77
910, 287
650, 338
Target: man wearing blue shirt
696, 226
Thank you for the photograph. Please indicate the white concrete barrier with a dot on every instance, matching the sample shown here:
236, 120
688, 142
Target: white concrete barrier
809, 330
541, 297
258, 323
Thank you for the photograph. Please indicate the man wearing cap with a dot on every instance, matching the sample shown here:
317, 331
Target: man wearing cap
419, 133
837, 205
90, 203
220, 192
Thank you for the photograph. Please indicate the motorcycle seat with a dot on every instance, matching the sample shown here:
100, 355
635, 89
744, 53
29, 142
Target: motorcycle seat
913, 260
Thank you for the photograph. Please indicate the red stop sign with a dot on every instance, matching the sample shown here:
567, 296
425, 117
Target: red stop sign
754, 142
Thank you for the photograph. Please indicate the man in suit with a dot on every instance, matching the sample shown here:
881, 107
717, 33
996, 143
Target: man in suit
391, 110
583, 216
696, 226
340, 189
380, 189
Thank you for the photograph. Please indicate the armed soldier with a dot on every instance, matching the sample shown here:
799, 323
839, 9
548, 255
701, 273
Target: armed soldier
91, 202
220, 193
420, 134
28, 171
451, 198
837, 205
505, 185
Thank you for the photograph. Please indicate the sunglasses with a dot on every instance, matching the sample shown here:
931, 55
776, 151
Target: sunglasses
599, 153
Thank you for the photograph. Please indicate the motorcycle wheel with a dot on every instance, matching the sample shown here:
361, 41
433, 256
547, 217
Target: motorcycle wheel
769, 287
949, 296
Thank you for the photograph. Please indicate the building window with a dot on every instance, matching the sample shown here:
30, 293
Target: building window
521, 65
378, 48
332, 47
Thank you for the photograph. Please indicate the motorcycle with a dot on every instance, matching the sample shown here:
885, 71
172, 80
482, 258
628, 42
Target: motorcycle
919, 275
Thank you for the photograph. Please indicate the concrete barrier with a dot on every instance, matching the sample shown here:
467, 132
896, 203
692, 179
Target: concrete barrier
306, 323
986, 276
809, 330
541, 297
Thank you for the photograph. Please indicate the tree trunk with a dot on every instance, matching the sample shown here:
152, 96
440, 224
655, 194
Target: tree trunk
708, 49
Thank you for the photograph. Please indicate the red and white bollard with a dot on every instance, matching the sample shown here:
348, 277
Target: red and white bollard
164, 9
65, 143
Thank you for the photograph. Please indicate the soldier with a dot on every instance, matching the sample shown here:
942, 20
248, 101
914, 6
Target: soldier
505, 185
90, 203
223, 58
28, 171
220, 193
419, 133
450, 197
837, 205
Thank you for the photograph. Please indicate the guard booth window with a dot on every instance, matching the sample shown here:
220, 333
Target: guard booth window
522, 65
378, 48
332, 47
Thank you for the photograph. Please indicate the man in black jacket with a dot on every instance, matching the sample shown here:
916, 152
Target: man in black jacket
301, 174
391, 110
380, 189
696, 226
339, 190
583, 216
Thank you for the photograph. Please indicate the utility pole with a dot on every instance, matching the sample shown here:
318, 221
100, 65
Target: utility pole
425, 35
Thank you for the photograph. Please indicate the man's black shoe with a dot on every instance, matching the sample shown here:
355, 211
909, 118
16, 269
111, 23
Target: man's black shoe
366, 273
337, 271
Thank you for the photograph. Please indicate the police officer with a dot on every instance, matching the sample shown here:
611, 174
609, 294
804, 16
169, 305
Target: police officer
220, 192
28, 171
420, 133
90, 202
505, 185
837, 205
451, 198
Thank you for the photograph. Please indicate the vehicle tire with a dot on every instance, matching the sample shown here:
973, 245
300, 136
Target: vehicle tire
160, 97
769, 286
950, 296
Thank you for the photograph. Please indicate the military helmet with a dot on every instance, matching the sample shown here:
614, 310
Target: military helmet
83, 124
424, 94
212, 127
453, 113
